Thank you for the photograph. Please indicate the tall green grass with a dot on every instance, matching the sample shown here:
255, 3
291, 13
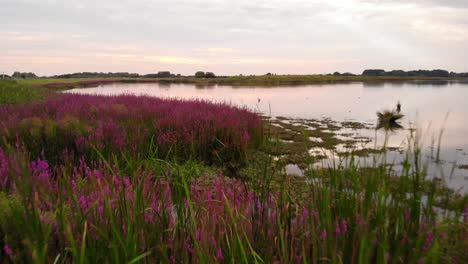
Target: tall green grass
13, 92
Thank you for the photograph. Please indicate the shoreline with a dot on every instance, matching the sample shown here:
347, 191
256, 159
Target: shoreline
256, 81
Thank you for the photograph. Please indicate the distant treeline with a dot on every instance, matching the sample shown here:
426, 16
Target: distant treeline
4, 76
417, 73
98, 75
166, 74
22, 75
161, 74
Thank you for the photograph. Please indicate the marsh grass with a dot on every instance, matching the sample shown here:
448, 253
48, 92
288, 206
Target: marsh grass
66, 83
12, 92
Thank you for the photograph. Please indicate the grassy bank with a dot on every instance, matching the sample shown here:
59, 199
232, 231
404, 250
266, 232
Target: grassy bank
12, 92
254, 80
278, 80
94, 179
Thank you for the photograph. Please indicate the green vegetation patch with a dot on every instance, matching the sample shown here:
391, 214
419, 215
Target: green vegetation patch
302, 141
13, 92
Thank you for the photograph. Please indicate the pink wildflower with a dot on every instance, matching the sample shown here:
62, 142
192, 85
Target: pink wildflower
219, 255
344, 226
7, 250
337, 229
324, 234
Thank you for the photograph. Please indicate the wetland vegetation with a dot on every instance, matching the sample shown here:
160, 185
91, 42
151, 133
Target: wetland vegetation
93, 179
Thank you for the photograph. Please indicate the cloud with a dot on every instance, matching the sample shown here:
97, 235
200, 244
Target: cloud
176, 60
233, 36
447, 3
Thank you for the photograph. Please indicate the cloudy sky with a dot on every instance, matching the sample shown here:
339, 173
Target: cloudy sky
232, 37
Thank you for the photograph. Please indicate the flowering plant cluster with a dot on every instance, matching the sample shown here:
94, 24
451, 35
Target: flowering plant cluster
78, 125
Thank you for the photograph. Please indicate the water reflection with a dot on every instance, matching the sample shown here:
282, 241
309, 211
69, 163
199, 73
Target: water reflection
374, 84
165, 86
420, 83
205, 86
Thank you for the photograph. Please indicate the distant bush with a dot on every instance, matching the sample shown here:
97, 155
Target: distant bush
210, 75
160, 74
200, 74
373, 72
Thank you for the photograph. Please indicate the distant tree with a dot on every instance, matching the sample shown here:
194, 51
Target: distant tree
348, 74
458, 75
336, 74
200, 74
440, 73
397, 73
164, 74
24, 75
401, 73
373, 72
210, 75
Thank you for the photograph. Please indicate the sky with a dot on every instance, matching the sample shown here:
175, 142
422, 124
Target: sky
51, 37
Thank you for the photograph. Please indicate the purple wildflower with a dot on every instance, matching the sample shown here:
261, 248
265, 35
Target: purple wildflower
83, 201
189, 246
40, 168
428, 241
324, 234
344, 226
337, 229
7, 250
404, 241
219, 255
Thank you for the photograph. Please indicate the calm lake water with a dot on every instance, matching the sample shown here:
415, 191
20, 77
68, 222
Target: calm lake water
426, 105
